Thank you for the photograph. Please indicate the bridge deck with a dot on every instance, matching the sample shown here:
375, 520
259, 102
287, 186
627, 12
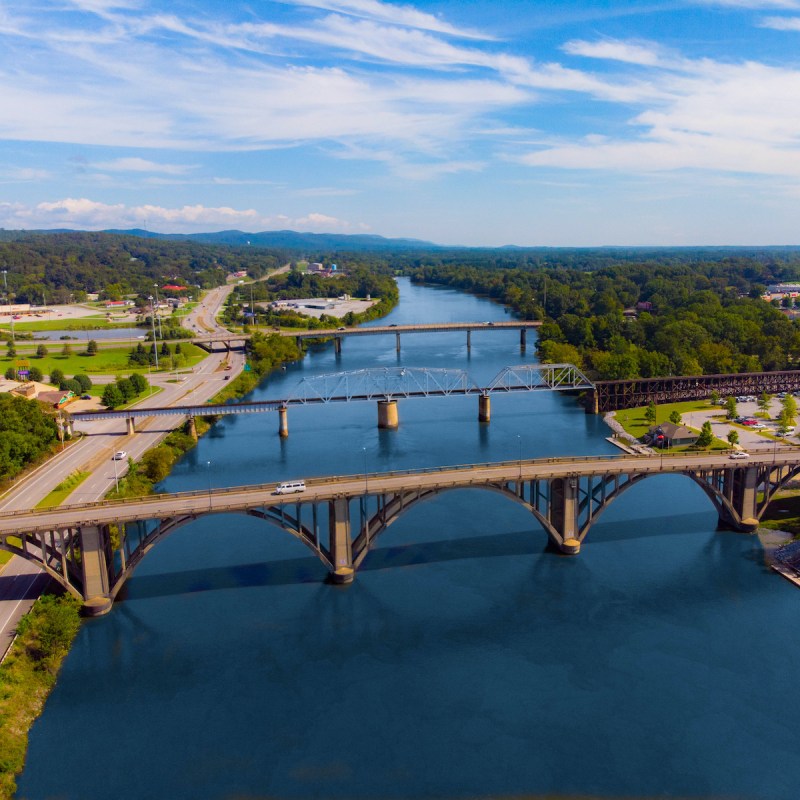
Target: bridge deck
322, 489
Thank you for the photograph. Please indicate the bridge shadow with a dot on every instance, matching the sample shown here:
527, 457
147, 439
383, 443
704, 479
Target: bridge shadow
610, 530
294, 571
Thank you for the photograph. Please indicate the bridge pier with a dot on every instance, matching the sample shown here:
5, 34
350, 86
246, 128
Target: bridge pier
523, 338
191, 428
283, 422
564, 513
69, 428
337, 345
469, 340
388, 417
397, 342
741, 488
339, 542
94, 564
484, 407
131, 425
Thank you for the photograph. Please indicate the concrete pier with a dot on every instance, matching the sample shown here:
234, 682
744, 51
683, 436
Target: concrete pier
96, 598
191, 428
131, 425
523, 338
484, 408
469, 340
397, 342
283, 422
387, 414
337, 345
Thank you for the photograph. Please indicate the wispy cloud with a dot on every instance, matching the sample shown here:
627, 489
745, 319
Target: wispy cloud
133, 164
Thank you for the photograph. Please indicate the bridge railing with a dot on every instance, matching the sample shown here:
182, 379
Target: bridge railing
155, 499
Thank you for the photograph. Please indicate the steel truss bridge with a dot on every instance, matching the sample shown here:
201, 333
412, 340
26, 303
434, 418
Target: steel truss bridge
92, 549
384, 384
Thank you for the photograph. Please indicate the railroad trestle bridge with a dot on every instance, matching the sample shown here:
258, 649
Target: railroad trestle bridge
92, 549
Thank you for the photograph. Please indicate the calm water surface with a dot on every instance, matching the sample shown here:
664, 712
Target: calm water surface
465, 661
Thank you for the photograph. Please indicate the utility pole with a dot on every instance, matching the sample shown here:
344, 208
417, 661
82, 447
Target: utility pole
153, 320
160, 332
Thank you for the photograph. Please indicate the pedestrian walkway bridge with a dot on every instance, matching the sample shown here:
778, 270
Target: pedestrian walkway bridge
92, 549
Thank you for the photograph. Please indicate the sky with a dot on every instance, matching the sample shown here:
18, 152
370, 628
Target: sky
462, 122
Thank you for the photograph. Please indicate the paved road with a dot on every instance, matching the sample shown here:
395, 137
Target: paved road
326, 488
20, 581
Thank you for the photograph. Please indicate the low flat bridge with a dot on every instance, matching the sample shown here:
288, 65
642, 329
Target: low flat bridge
384, 385
92, 549
229, 340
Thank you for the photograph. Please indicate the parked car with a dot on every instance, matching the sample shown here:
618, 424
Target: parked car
86, 397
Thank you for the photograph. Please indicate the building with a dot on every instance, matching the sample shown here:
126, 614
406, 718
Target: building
56, 399
667, 434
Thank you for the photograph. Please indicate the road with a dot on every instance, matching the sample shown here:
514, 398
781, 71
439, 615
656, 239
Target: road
322, 489
20, 581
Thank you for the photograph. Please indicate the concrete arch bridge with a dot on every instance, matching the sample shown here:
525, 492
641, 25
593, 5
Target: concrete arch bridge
92, 549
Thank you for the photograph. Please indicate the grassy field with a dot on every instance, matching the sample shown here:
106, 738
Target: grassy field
93, 322
634, 422
111, 361
63, 490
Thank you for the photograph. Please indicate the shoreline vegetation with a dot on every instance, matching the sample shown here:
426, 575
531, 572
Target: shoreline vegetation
28, 674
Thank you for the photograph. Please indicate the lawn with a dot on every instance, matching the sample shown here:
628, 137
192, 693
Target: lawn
63, 490
94, 322
634, 422
111, 361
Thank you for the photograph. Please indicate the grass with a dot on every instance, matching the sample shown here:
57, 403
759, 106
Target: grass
93, 322
63, 490
783, 513
27, 676
634, 422
111, 361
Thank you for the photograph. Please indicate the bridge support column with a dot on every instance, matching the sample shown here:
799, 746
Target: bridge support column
523, 338
469, 340
191, 428
339, 543
484, 407
592, 403
397, 342
387, 414
131, 424
337, 345
744, 497
283, 422
564, 513
96, 598
69, 428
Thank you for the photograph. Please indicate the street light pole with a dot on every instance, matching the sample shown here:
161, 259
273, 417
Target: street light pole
519, 439
208, 473
116, 476
160, 332
153, 320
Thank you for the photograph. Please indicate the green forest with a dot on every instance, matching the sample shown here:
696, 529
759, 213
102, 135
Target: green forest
701, 317
57, 267
28, 431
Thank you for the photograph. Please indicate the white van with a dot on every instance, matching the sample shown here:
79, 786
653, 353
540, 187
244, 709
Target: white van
290, 487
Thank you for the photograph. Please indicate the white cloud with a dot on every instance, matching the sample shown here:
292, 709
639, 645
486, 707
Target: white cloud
781, 23
82, 213
143, 165
754, 4
627, 52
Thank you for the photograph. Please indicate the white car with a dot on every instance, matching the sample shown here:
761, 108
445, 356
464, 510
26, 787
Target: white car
120, 455
739, 454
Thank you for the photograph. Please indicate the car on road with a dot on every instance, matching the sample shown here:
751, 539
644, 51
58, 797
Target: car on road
120, 455
393, 325
342, 328
736, 455
227, 378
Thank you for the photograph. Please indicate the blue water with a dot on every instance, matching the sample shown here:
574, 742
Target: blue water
465, 661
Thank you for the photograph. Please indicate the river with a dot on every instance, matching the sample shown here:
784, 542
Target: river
466, 661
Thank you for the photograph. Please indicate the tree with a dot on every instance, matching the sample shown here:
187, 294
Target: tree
733, 437
112, 396
11, 351
714, 397
126, 389
66, 350
56, 376
41, 351
731, 412
91, 347
35, 374
70, 385
650, 413
138, 382
164, 349
763, 402
157, 463
85, 382
675, 417
11, 374
789, 408
785, 421
706, 435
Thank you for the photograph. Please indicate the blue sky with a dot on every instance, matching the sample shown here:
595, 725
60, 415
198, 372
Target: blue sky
474, 122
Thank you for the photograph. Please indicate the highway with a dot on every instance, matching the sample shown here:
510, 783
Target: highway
20, 581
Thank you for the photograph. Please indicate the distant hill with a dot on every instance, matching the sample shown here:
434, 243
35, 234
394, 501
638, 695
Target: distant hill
292, 240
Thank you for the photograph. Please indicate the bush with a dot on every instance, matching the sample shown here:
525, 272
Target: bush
112, 396
70, 385
85, 382
41, 351
138, 382
56, 376
35, 374
126, 389
11, 374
